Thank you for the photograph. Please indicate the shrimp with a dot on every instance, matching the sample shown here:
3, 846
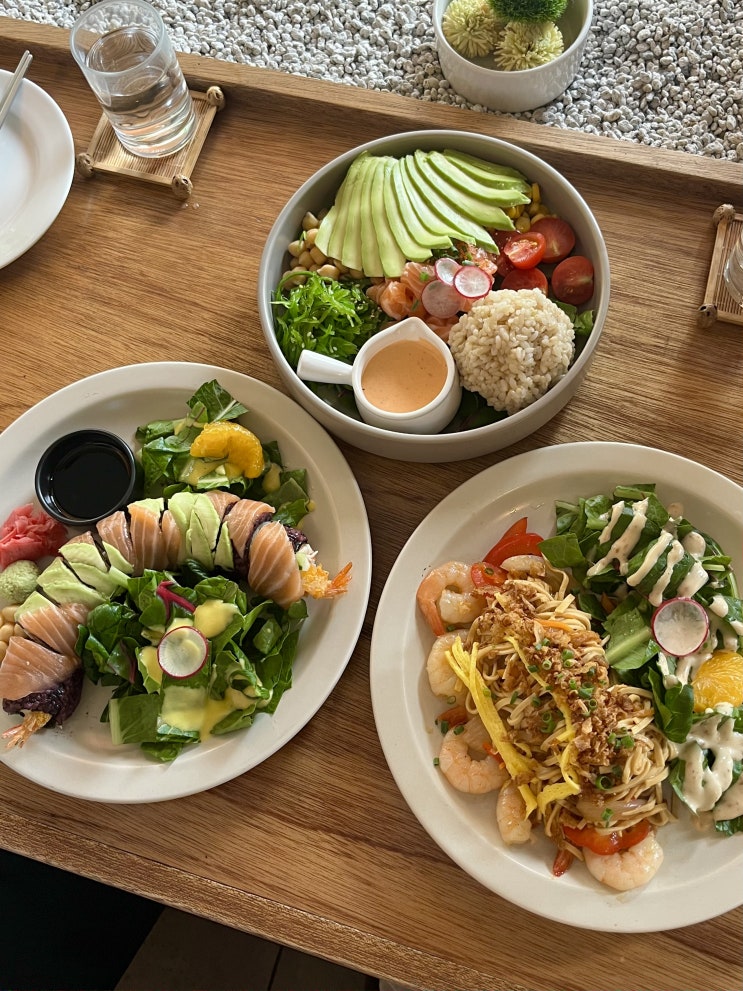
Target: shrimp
464, 772
627, 869
441, 678
510, 813
447, 597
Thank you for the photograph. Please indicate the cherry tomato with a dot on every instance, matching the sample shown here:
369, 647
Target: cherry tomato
520, 543
527, 278
484, 574
572, 280
558, 235
525, 250
607, 843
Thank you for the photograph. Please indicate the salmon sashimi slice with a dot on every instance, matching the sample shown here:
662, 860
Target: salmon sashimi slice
222, 500
242, 519
148, 542
30, 667
114, 530
175, 549
273, 569
55, 626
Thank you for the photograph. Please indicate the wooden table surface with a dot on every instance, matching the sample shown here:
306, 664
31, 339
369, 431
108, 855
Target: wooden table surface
350, 874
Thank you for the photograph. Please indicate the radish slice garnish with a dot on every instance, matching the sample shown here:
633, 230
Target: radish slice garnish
680, 626
182, 652
446, 269
472, 282
441, 300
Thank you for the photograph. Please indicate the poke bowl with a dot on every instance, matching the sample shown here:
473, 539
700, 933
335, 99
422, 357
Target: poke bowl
479, 427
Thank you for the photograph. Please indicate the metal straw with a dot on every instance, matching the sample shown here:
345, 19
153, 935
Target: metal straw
15, 82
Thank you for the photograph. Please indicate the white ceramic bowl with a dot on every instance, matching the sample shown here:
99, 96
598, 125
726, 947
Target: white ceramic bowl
319, 192
524, 89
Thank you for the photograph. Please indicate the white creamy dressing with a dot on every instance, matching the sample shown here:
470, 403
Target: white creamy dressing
719, 607
704, 785
728, 631
622, 548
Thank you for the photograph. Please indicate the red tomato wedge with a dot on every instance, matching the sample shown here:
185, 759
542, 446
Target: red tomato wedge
558, 235
526, 278
484, 574
607, 843
516, 540
525, 250
572, 280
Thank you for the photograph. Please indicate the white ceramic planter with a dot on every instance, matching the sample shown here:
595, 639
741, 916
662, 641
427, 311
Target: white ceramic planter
524, 89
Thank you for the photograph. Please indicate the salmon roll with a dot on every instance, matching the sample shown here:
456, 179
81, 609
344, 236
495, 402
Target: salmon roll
114, 531
148, 543
29, 668
241, 521
55, 626
273, 569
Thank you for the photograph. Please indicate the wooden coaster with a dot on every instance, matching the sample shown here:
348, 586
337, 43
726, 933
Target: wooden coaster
718, 303
108, 156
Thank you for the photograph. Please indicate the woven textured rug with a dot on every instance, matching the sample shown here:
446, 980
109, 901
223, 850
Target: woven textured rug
665, 73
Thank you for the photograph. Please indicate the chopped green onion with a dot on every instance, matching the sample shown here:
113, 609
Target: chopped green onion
533, 668
546, 664
567, 655
458, 729
444, 727
514, 697
435, 762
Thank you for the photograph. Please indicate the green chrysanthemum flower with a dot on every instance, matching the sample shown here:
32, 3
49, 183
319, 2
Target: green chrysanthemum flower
532, 11
525, 46
470, 27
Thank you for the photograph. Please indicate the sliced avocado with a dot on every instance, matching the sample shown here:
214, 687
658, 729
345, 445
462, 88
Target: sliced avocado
199, 546
35, 601
83, 552
391, 257
475, 210
480, 186
224, 555
418, 231
371, 261
332, 226
203, 530
117, 560
350, 254
103, 581
479, 167
62, 585
437, 206
180, 505
408, 246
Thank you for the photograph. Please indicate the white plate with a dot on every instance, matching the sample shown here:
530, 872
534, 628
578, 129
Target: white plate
700, 876
37, 162
79, 759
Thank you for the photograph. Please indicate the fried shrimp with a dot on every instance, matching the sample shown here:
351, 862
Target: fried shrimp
476, 776
447, 597
627, 869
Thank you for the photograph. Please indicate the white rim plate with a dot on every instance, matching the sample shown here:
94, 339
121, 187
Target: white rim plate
78, 758
700, 875
38, 161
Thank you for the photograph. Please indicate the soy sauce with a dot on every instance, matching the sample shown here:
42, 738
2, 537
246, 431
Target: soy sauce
90, 481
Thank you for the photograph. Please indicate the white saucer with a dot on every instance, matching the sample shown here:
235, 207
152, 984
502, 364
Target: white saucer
37, 162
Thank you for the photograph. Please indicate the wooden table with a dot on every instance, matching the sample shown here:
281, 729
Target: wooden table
352, 876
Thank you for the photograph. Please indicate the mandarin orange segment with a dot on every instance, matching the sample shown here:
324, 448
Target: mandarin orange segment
719, 680
230, 441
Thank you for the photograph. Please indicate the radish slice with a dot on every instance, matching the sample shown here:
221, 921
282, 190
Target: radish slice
441, 300
182, 652
680, 626
472, 282
446, 269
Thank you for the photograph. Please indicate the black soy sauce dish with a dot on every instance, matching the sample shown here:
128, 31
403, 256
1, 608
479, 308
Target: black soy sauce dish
86, 475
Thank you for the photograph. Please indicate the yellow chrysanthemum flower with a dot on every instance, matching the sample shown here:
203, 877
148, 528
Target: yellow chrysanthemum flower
525, 46
470, 27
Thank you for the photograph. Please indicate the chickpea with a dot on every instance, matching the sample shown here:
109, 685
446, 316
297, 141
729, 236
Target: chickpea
6, 631
318, 256
296, 248
309, 237
305, 259
328, 271
309, 221
8, 614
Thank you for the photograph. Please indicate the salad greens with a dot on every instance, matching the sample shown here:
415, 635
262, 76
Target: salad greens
326, 316
627, 554
249, 663
251, 641
168, 466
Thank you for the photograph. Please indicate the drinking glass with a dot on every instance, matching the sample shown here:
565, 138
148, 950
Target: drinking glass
128, 60
733, 271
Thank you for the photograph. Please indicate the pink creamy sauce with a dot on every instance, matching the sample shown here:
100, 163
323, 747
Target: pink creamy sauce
403, 377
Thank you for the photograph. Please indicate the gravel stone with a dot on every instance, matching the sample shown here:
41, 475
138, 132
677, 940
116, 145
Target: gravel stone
663, 73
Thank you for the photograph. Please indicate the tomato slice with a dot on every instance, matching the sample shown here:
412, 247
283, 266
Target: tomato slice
525, 250
527, 278
607, 843
559, 238
572, 280
519, 543
484, 574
